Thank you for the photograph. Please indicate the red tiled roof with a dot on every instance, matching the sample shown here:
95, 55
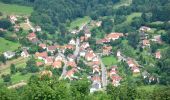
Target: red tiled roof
57, 64
42, 54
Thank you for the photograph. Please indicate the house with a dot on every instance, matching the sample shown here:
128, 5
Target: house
85, 45
82, 53
39, 64
51, 49
71, 57
70, 74
133, 65
114, 36
83, 38
41, 56
101, 41
69, 46
157, 39
145, 29
112, 72
145, 43
35, 41
95, 59
158, 55
71, 64
57, 64
9, 54
72, 42
116, 80
13, 19
89, 56
107, 50
135, 69
43, 46
96, 68
59, 57
25, 53
48, 60
38, 28
46, 73
96, 83
31, 36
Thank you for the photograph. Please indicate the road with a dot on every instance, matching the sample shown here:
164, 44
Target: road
64, 67
104, 73
76, 52
29, 24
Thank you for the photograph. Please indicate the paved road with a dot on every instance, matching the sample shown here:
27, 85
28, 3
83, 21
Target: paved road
64, 67
76, 52
104, 73
29, 24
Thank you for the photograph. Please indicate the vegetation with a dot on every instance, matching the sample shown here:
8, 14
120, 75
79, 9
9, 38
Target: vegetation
7, 45
15, 9
109, 60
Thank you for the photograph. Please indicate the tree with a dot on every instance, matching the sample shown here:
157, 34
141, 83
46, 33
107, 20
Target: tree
13, 69
31, 66
107, 25
68, 51
7, 78
133, 39
5, 24
2, 59
80, 88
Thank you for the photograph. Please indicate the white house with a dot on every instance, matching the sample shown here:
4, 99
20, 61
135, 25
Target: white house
25, 54
9, 54
72, 42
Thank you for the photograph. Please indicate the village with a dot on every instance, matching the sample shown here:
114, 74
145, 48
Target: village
68, 57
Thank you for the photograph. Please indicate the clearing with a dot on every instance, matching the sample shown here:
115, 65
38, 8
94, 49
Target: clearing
7, 45
79, 22
9, 9
122, 3
109, 60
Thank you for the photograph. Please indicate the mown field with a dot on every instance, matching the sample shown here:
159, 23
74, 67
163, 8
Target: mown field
9, 9
109, 60
7, 45
79, 22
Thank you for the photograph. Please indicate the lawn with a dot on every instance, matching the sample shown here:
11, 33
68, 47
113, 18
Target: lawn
109, 60
149, 88
18, 77
15, 9
7, 45
131, 16
122, 3
79, 22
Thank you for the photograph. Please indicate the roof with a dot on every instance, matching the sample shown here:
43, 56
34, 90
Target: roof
42, 45
39, 63
146, 42
96, 78
57, 63
114, 35
51, 48
42, 54
116, 78
90, 55
32, 35
71, 63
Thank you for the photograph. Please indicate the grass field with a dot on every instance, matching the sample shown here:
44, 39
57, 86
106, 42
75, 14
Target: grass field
149, 88
110, 60
7, 45
122, 3
18, 77
131, 16
15, 9
79, 22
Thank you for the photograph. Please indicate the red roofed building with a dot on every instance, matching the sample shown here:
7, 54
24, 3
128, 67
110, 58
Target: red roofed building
51, 49
89, 56
57, 64
158, 55
145, 43
70, 74
116, 80
43, 46
39, 63
48, 60
107, 50
114, 36
69, 46
96, 68
41, 55
72, 64
31, 36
